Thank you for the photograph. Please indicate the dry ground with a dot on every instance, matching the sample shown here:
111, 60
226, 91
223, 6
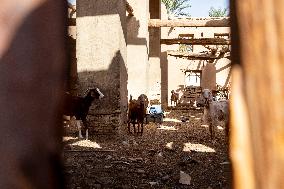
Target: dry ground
154, 160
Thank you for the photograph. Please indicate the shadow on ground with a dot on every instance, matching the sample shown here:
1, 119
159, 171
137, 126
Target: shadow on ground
154, 160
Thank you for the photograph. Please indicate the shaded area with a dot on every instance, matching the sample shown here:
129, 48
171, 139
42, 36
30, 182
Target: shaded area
133, 25
105, 115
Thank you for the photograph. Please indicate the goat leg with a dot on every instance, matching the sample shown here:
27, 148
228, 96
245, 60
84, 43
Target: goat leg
141, 128
136, 131
79, 129
138, 127
86, 126
211, 130
87, 134
128, 124
135, 128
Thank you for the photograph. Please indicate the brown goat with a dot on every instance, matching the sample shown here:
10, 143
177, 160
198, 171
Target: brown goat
137, 112
174, 98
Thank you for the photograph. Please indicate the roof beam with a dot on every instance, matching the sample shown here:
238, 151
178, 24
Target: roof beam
191, 22
193, 56
201, 41
71, 22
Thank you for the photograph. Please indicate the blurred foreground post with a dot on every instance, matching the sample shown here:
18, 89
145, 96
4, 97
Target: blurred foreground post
32, 73
257, 140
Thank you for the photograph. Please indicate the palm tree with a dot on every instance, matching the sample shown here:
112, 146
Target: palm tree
213, 12
176, 8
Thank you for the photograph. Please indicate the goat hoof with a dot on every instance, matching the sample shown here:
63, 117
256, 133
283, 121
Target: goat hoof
80, 137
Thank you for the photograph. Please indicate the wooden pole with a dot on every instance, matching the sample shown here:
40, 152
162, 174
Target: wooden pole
191, 22
261, 57
33, 70
201, 41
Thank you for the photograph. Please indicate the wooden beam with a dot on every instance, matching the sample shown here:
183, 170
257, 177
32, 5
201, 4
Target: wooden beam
194, 56
71, 22
189, 55
191, 22
221, 35
201, 41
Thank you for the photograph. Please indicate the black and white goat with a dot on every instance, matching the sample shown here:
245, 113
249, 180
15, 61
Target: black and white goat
137, 112
215, 111
79, 107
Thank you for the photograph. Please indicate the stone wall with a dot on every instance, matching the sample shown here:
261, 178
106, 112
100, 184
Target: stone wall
101, 56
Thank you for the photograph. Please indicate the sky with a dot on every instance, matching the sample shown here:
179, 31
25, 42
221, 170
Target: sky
199, 8
72, 1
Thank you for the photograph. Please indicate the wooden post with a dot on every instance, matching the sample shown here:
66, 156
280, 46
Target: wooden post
257, 140
32, 74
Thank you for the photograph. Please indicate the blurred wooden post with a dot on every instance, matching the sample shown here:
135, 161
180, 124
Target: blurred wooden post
257, 140
32, 75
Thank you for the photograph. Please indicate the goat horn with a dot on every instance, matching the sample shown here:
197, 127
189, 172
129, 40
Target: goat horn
86, 92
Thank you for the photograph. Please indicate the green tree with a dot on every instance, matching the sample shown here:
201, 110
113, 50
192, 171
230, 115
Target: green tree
213, 12
176, 8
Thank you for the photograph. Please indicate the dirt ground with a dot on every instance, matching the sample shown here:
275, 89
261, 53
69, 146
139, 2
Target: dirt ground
173, 154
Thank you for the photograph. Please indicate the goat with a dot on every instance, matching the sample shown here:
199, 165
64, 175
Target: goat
200, 101
215, 111
137, 112
174, 98
79, 107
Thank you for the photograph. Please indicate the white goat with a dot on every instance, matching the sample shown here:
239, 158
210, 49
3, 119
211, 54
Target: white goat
215, 111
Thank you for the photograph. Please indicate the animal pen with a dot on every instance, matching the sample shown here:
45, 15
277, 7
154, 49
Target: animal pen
115, 43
